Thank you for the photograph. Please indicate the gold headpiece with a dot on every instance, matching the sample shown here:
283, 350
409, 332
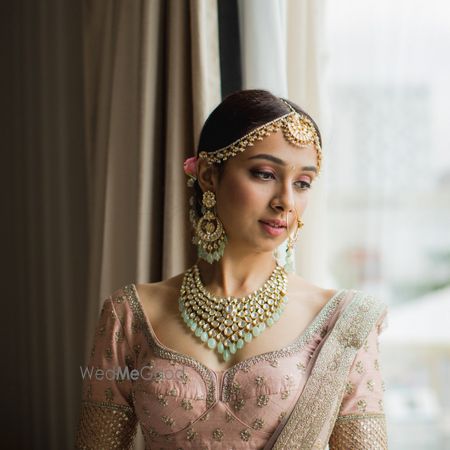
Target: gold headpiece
297, 129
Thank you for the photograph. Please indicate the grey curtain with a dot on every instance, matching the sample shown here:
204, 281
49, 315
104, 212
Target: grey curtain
103, 102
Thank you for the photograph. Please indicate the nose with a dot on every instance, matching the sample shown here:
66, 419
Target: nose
283, 201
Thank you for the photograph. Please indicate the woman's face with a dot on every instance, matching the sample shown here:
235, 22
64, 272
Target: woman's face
263, 187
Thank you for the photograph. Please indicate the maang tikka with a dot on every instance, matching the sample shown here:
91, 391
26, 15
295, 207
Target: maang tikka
210, 236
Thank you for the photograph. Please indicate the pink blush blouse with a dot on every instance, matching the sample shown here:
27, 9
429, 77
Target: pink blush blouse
179, 403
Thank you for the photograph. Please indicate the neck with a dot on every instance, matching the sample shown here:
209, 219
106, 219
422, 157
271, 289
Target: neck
236, 275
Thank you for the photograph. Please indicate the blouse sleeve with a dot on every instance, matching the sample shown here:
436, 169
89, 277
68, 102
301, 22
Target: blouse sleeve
107, 418
361, 423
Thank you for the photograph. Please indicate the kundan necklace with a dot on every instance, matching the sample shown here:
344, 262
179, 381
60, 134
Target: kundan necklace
227, 323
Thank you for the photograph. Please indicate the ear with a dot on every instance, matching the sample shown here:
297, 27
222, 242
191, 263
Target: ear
207, 176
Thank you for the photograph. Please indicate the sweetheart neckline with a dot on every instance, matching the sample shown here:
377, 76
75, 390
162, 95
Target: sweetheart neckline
302, 339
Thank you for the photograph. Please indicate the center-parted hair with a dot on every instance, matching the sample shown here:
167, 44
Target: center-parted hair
238, 114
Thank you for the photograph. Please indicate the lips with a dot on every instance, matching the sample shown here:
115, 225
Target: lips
273, 227
275, 223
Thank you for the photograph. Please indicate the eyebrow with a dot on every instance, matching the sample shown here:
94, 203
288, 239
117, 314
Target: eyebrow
280, 162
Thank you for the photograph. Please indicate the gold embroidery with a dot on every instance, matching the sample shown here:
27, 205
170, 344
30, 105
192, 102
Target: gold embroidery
184, 377
319, 403
260, 380
205, 417
262, 400
131, 293
361, 405
191, 434
186, 404
119, 298
376, 364
105, 426
258, 423
109, 394
359, 433
371, 385
245, 435
359, 367
301, 367
349, 387
217, 434
137, 348
235, 389
239, 404
162, 401
228, 417
118, 336
285, 394
136, 327
380, 405
168, 420
281, 416
303, 339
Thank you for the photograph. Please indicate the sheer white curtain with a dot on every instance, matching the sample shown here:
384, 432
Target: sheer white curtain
387, 110
278, 45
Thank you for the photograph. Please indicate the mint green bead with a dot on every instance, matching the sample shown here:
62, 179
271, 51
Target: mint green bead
193, 326
198, 331
226, 355
204, 336
270, 321
180, 307
212, 343
220, 347
240, 343
256, 331
233, 348
248, 337
275, 316
262, 327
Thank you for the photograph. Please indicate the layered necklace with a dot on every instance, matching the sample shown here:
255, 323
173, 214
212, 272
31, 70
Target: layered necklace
226, 324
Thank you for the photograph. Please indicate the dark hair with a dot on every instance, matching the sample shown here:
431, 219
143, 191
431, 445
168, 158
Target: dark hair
237, 115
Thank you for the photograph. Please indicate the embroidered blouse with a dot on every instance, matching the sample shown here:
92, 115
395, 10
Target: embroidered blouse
180, 403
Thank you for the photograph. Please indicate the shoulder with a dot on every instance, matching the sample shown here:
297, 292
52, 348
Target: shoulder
315, 297
160, 298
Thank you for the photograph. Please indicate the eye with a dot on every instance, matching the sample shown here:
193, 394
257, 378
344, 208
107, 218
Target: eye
303, 185
263, 175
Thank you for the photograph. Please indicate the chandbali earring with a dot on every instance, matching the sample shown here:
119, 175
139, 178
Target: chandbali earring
289, 266
210, 236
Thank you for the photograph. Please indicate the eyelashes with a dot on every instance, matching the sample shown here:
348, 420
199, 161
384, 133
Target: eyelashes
267, 176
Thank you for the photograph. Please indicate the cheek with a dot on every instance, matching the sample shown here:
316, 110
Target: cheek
238, 195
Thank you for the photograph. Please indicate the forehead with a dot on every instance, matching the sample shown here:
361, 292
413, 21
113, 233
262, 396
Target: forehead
276, 145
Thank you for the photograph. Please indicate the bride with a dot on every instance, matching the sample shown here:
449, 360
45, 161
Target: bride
238, 351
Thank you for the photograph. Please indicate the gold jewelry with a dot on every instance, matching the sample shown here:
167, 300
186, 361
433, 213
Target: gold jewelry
227, 323
297, 129
210, 236
289, 267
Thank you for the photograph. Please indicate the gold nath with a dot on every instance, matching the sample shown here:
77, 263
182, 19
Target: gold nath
297, 129
226, 324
